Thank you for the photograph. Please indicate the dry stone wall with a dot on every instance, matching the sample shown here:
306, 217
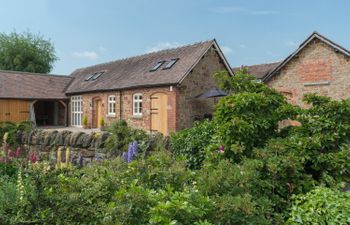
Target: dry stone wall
84, 147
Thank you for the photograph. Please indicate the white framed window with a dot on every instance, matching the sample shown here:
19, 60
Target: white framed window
77, 110
137, 104
111, 105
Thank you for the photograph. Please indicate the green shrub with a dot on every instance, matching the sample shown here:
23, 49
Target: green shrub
122, 135
191, 143
85, 121
12, 129
321, 206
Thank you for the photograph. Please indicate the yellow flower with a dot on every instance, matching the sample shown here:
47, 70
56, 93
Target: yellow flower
6, 136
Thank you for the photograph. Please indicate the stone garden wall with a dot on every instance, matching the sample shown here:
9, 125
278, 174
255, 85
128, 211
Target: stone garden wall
84, 147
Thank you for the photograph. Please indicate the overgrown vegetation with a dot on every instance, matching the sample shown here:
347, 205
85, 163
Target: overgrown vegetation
242, 167
12, 129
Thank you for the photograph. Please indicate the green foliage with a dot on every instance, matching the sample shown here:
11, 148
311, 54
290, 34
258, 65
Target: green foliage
191, 143
186, 207
242, 167
122, 135
84, 121
102, 122
321, 206
12, 129
26, 52
248, 117
271, 163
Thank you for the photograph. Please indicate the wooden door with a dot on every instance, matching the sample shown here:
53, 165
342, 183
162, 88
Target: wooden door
97, 113
4, 112
14, 110
159, 113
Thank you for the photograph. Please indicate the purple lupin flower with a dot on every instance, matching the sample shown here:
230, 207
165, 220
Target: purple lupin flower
81, 161
134, 148
130, 153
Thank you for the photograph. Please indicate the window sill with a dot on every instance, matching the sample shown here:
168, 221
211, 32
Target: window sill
319, 83
137, 116
111, 115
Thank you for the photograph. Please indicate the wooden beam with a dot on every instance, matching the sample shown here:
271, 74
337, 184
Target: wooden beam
65, 112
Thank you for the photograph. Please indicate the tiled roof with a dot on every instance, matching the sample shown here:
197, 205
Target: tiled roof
23, 85
260, 70
135, 71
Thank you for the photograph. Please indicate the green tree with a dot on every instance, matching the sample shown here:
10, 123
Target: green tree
26, 52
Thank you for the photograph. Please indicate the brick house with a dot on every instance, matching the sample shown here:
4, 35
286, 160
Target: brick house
318, 66
155, 91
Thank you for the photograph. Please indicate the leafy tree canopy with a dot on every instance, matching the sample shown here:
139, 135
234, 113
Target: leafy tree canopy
26, 52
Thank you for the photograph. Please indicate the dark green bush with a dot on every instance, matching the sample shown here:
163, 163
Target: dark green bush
191, 143
122, 135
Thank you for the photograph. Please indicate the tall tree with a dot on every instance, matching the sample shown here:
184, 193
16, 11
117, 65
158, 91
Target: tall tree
26, 52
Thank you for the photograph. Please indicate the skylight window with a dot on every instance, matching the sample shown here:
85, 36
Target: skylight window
157, 66
170, 64
97, 75
89, 77
94, 76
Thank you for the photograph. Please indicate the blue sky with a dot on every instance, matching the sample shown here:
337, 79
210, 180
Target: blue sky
87, 32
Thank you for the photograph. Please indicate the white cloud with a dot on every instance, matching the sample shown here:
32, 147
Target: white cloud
162, 45
226, 49
86, 55
238, 9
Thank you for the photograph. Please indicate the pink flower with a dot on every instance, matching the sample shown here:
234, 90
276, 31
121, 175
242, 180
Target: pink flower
2, 159
33, 157
10, 154
18, 152
221, 149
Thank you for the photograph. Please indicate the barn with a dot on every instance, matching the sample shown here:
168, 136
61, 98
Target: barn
36, 97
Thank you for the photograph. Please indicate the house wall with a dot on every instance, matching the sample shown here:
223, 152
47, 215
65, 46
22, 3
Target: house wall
318, 68
198, 81
183, 108
124, 107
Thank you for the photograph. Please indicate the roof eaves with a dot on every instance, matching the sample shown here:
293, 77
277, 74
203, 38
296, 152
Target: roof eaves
121, 89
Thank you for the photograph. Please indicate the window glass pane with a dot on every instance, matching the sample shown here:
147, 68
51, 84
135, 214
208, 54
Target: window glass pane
159, 64
170, 64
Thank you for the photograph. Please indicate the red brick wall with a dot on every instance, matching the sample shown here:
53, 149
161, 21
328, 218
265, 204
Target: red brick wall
318, 68
125, 110
314, 70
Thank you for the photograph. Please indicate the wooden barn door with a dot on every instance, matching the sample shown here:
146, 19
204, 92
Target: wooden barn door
14, 110
159, 113
4, 112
